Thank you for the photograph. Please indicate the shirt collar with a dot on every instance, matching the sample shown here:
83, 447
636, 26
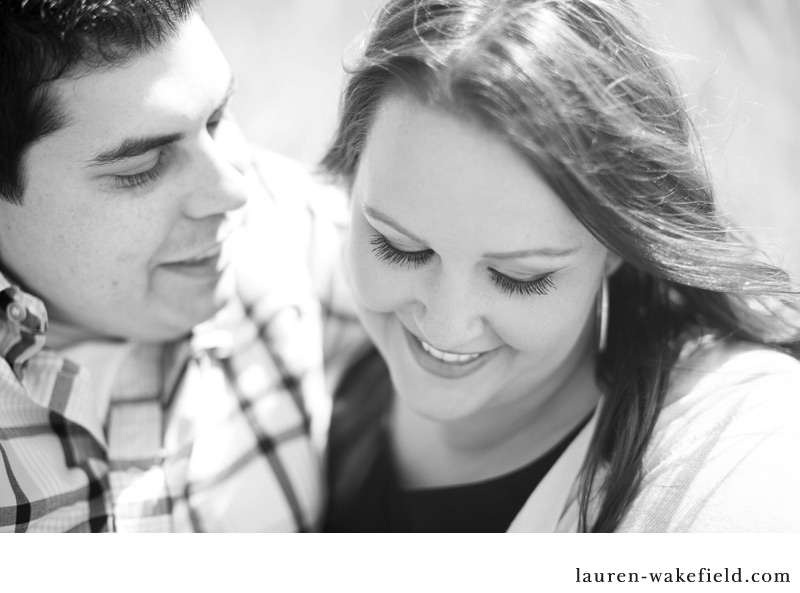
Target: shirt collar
23, 324
88, 369
48, 378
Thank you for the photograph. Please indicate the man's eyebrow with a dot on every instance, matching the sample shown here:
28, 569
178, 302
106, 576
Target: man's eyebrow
131, 147
388, 220
229, 92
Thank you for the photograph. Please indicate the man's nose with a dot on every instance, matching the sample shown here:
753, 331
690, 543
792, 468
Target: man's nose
221, 182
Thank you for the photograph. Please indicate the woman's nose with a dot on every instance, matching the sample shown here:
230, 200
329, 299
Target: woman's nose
448, 319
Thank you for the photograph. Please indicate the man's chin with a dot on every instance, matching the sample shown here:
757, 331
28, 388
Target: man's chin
150, 323
175, 322
188, 322
181, 318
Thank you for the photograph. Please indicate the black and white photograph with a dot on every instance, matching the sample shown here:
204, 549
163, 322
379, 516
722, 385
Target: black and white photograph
450, 267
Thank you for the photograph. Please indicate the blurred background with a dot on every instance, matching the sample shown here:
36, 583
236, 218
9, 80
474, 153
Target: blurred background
739, 61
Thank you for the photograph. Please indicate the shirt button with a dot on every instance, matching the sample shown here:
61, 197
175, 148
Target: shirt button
15, 312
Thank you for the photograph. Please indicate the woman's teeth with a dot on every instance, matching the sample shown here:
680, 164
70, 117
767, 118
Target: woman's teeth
449, 357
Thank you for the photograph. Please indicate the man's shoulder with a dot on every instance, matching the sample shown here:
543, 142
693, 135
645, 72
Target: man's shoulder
286, 178
291, 205
275, 166
294, 225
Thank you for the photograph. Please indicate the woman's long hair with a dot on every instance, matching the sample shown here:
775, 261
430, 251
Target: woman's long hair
579, 91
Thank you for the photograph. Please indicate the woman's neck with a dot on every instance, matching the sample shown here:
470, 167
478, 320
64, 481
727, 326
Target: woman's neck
493, 442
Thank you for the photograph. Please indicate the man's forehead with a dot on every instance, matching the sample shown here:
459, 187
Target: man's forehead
154, 93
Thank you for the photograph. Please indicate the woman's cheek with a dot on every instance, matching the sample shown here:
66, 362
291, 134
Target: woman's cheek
521, 325
373, 283
541, 325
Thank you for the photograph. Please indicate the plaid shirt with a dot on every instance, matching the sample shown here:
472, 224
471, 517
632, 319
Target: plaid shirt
211, 433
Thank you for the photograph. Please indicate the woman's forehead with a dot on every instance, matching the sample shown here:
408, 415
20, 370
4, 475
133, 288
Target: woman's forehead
426, 165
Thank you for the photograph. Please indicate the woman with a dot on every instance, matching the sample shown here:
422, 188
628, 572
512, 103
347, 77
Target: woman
576, 340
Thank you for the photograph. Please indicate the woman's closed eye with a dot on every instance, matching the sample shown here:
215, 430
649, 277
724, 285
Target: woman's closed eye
536, 286
387, 252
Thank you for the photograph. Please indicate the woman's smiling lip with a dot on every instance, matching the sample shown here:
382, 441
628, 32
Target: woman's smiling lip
445, 364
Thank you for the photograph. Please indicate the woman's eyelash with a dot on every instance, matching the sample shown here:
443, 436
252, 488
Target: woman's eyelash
140, 179
388, 253
540, 286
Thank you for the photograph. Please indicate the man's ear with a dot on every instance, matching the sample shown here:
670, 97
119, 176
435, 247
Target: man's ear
612, 264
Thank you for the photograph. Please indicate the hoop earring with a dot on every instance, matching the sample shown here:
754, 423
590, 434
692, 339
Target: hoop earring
602, 316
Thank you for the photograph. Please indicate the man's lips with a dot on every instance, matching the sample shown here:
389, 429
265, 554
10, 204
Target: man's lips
218, 238
205, 264
199, 258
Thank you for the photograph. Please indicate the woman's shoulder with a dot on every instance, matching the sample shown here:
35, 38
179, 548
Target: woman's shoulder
723, 453
711, 373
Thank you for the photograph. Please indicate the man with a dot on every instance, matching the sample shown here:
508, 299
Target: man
146, 382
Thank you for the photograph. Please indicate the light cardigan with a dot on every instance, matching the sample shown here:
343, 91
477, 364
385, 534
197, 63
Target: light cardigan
724, 455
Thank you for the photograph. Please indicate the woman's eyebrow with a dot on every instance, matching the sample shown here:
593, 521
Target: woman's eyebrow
539, 251
388, 220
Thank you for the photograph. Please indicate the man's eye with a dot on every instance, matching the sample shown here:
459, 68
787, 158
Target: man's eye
140, 179
212, 126
214, 122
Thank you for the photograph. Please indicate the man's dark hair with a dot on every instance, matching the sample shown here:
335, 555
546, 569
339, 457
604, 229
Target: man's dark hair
44, 40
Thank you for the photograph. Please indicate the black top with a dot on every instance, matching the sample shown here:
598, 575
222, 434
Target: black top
365, 493
381, 505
